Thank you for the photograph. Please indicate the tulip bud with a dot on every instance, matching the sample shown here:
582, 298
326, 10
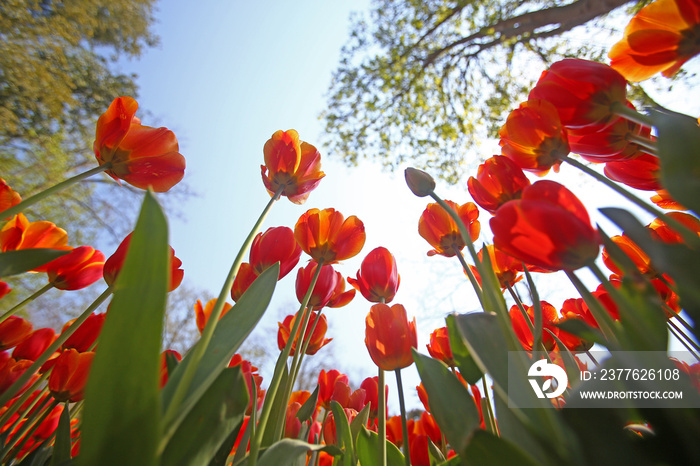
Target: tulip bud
419, 182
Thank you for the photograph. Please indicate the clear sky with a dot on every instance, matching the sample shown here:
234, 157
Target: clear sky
228, 74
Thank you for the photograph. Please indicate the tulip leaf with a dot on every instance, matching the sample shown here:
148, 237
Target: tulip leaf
451, 404
309, 406
678, 146
287, 451
62, 445
368, 448
467, 366
512, 428
231, 330
343, 434
359, 421
278, 410
120, 423
487, 449
582, 330
210, 422
24, 260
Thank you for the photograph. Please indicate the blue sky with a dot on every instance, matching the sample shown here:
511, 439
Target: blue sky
226, 76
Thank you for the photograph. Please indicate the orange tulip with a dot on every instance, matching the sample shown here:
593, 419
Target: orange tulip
663, 199
549, 227
378, 278
661, 37
115, 262
440, 231
582, 91
634, 252
371, 387
522, 329
389, 336
277, 244
329, 289
19, 233
140, 155
164, 365
439, 346
506, 268
202, 313
316, 340
69, 375
639, 173
13, 331
498, 180
244, 278
8, 196
533, 137
663, 232
294, 166
76, 270
326, 386
574, 308
326, 235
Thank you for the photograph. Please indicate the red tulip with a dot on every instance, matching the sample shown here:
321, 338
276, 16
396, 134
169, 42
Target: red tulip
389, 336
582, 91
202, 313
275, 245
164, 365
324, 288
293, 166
378, 278
533, 137
439, 346
326, 235
574, 308
638, 173
522, 329
440, 230
140, 155
506, 268
371, 387
663, 199
549, 227
498, 180
84, 336
115, 262
634, 252
8, 196
316, 340
326, 385
69, 375
244, 278
14, 330
76, 270
35, 344
4, 289
661, 37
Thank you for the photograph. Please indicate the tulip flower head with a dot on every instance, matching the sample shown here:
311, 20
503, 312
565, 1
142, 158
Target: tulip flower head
661, 37
378, 278
244, 278
533, 137
389, 336
202, 313
316, 339
292, 166
69, 375
76, 270
522, 327
84, 336
8, 196
642, 172
498, 180
13, 331
277, 244
549, 227
506, 268
140, 155
439, 346
328, 237
440, 230
19, 233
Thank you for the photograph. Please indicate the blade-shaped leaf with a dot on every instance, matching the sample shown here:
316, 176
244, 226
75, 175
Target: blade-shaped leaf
309, 406
467, 366
24, 260
487, 449
451, 404
368, 448
342, 433
122, 413
287, 450
210, 422
62, 445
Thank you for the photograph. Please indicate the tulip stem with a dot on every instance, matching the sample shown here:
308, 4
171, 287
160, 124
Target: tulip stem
307, 341
622, 110
20, 305
688, 236
381, 416
681, 340
200, 348
14, 210
680, 332
65, 334
404, 426
599, 313
647, 144
30, 426
489, 408
256, 440
17, 404
472, 278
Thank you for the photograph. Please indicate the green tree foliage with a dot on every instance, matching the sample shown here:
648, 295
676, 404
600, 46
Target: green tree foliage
424, 81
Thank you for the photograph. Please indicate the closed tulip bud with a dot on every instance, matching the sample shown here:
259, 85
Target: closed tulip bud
419, 182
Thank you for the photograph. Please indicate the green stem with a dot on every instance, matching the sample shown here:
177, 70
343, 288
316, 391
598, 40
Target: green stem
622, 110
681, 340
201, 346
647, 144
307, 341
599, 313
472, 278
492, 418
30, 426
14, 210
404, 426
679, 332
19, 306
277, 376
688, 236
16, 404
65, 334
381, 416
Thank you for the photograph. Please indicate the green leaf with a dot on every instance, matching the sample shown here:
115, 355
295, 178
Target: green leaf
582, 330
122, 411
513, 428
343, 434
368, 448
62, 445
278, 409
678, 146
486, 449
309, 406
231, 330
24, 260
467, 366
210, 422
287, 451
451, 404
359, 422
